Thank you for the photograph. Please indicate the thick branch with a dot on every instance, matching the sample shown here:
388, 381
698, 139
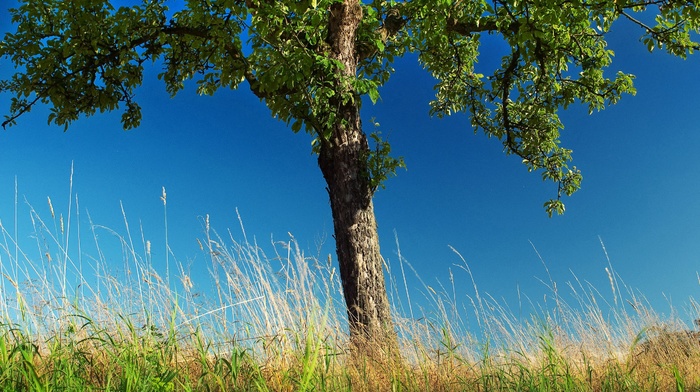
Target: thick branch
393, 23
237, 55
232, 51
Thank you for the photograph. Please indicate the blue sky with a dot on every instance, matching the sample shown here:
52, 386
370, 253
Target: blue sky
640, 194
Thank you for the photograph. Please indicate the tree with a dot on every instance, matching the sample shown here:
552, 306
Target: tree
313, 61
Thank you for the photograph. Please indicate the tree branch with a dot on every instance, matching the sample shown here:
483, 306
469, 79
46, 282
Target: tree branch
25, 109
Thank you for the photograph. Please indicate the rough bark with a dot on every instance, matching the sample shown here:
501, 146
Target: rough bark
343, 161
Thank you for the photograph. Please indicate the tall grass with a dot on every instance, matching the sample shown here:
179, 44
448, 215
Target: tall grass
77, 314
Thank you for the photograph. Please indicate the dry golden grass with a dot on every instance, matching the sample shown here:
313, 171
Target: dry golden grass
276, 323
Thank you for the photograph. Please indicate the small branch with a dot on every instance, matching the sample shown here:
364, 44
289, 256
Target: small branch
25, 109
469, 28
659, 35
507, 78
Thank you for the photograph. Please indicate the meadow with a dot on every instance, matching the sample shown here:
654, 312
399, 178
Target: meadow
273, 320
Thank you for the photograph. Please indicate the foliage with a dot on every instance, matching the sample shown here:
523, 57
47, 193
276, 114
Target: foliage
380, 164
85, 56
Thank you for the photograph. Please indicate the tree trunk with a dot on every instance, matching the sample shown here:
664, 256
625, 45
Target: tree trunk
357, 246
343, 161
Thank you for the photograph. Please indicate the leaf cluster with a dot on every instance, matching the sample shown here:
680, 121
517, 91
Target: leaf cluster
555, 57
79, 56
379, 162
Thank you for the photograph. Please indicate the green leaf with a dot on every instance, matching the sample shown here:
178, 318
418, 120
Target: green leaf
373, 95
553, 206
380, 45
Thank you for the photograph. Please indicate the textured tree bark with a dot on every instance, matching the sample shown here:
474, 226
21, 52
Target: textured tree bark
357, 248
343, 161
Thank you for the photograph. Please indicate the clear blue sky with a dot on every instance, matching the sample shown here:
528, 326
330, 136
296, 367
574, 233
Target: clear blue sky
640, 194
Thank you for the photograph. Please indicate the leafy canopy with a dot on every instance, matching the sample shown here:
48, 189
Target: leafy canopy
84, 56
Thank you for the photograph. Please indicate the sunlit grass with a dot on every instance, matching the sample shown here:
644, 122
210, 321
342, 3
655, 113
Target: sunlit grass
106, 319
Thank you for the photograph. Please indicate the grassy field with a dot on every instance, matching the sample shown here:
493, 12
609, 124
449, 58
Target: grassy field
72, 322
